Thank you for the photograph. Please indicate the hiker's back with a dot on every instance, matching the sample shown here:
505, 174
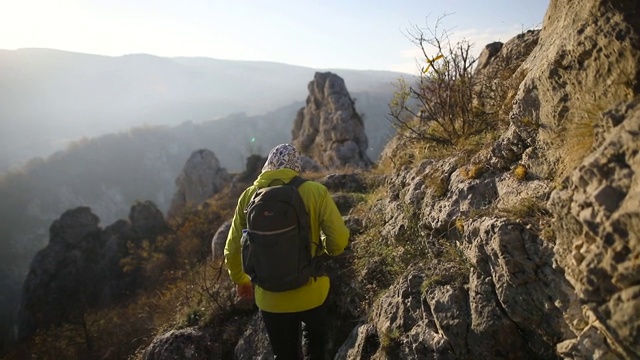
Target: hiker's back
276, 246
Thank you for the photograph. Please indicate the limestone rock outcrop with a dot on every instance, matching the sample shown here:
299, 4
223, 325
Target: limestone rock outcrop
567, 288
495, 83
80, 267
328, 129
253, 167
598, 242
586, 61
201, 178
584, 74
59, 273
190, 343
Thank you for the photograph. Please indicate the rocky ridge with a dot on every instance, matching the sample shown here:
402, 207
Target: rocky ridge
81, 265
540, 265
567, 288
559, 281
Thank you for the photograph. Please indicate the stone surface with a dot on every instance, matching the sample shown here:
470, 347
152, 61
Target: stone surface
586, 61
59, 273
347, 182
147, 220
201, 178
218, 243
189, 343
598, 241
254, 343
495, 83
253, 168
328, 129
80, 268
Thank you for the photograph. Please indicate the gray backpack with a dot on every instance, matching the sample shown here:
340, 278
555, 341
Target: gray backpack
276, 246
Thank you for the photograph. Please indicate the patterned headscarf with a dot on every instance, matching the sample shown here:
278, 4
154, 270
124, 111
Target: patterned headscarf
283, 156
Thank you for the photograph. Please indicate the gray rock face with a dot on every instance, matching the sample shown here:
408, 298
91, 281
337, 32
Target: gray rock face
147, 220
347, 182
254, 343
253, 167
587, 60
510, 303
80, 267
201, 178
574, 295
189, 343
307, 164
73, 226
495, 81
218, 243
59, 273
598, 243
328, 129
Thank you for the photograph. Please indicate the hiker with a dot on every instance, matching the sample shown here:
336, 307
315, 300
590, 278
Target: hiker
283, 312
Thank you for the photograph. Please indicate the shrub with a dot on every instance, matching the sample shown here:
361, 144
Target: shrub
439, 107
390, 341
438, 184
472, 171
520, 172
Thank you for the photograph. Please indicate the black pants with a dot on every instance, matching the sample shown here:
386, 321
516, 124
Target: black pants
285, 333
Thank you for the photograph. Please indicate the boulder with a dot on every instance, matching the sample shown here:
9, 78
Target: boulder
218, 243
190, 343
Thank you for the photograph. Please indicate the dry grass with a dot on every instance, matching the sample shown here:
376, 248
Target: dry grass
473, 171
578, 136
520, 172
578, 142
438, 184
526, 208
390, 341
460, 225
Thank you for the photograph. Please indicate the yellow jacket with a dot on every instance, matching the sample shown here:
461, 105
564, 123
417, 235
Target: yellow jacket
324, 216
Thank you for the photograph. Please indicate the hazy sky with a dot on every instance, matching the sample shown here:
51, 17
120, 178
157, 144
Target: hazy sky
353, 34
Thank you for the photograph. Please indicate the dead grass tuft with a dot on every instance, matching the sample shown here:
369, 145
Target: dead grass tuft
520, 172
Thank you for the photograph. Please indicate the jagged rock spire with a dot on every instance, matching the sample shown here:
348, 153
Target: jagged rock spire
328, 129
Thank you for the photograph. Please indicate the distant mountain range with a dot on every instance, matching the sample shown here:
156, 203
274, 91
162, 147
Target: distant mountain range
51, 98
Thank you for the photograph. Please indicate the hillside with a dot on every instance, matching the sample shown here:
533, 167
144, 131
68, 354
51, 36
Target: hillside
110, 172
502, 222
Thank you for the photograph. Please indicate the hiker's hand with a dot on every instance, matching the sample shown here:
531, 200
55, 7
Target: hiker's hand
245, 291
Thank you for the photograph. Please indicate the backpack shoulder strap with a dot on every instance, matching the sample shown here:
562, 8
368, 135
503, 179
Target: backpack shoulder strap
297, 181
